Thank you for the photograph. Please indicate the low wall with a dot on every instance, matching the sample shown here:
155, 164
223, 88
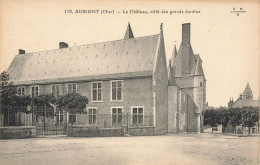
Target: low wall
141, 131
17, 132
86, 131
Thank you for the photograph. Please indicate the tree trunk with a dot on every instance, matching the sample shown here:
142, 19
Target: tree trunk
8, 120
212, 129
249, 130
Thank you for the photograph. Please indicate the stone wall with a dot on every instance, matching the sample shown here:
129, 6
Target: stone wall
17, 132
86, 131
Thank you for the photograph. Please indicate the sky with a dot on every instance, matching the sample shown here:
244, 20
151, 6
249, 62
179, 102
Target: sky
228, 44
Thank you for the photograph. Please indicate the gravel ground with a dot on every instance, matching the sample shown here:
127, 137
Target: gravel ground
168, 149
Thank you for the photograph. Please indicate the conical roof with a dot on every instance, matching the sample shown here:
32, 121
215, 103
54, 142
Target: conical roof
247, 90
129, 32
198, 69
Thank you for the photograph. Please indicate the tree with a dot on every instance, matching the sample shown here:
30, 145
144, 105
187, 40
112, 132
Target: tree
250, 116
72, 103
235, 117
210, 118
10, 102
223, 118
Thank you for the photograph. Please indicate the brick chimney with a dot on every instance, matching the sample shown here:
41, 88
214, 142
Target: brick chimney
186, 33
63, 45
21, 51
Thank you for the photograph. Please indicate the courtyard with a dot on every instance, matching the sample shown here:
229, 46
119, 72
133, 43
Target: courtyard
171, 149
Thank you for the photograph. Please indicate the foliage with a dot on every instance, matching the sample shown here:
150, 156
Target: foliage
72, 102
43, 103
250, 115
10, 102
235, 116
211, 117
223, 118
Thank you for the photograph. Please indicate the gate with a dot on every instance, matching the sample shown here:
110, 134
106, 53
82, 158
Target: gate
48, 123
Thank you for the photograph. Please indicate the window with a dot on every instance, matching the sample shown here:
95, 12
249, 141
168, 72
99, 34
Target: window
117, 90
55, 90
116, 116
71, 88
20, 91
200, 84
59, 116
138, 115
34, 91
92, 115
96, 91
72, 118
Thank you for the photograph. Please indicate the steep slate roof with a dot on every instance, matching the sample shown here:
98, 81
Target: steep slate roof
198, 70
247, 90
129, 32
127, 57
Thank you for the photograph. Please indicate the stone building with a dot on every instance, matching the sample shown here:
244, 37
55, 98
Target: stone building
245, 99
126, 77
187, 79
126, 82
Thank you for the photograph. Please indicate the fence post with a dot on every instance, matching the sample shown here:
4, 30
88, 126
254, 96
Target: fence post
127, 123
44, 126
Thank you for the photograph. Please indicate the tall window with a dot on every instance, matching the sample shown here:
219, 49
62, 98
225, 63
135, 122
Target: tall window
34, 91
55, 90
20, 91
59, 116
116, 116
71, 88
92, 114
200, 84
138, 115
96, 91
72, 118
117, 90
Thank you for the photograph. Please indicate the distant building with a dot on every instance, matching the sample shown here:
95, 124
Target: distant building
244, 99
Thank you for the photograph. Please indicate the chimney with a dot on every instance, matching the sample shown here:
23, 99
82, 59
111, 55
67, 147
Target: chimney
21, 51
63, 45
186, 33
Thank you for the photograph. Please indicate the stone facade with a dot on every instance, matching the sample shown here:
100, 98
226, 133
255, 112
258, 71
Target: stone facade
185, 70
141, 73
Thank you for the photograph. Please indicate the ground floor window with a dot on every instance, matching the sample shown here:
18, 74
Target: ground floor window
59, 117
116, 116
92, 114
72, 118
137, 115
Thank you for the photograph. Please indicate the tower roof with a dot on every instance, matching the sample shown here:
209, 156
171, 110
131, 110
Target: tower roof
198, 70
247, 90
129, 32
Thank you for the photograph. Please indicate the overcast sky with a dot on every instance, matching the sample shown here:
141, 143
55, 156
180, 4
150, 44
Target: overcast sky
228, 44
